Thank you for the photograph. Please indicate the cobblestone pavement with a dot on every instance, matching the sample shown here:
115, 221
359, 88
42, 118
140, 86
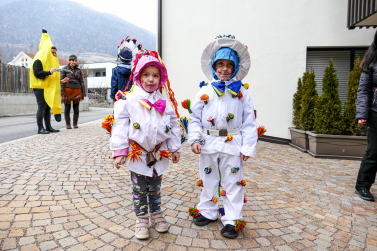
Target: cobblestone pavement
61, 192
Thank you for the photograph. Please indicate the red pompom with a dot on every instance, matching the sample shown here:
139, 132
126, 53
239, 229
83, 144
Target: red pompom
118, 46
121, 42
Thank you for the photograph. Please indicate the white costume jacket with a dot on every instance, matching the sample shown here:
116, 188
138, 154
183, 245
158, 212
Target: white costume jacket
151, 131
219, 107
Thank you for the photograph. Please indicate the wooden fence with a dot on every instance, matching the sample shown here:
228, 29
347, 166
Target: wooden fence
14, 79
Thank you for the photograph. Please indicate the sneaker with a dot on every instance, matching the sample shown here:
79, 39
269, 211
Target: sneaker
364, 194
200, 220
229, 232
141, 228
159, 222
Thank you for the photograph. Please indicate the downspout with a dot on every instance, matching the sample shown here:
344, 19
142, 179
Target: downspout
159, 27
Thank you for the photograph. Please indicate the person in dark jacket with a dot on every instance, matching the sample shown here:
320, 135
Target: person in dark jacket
45, 84
121, 74
366, 114
121, 79
72, 91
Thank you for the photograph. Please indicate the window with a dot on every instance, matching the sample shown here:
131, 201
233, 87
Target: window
343, 59
25, 64
103, 74
22, 60
98, 74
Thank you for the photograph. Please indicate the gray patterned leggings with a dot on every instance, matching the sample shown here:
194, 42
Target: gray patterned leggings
146, 189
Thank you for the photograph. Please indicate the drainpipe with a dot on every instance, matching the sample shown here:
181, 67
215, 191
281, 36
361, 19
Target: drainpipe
159, 27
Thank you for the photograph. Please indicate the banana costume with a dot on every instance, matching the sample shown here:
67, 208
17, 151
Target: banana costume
51, 84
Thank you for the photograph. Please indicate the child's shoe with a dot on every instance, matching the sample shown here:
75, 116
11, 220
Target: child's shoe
200, 220
229, 232
159, 222
141, 228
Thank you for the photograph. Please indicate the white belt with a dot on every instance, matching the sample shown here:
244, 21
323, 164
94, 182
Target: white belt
222, 132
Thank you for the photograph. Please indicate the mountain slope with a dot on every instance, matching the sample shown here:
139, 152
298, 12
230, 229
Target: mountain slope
73, 28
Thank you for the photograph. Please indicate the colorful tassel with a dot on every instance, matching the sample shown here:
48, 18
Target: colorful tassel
193, 212
240, 225
187, 105
203, 84
222, 211
165, 154
244, 199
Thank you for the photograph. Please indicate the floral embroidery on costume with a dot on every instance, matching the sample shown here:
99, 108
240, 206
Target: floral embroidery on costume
242, 183
136, 126
207, 170
229, 117
235, 169
211, 119
203, 83
229, 138
204, 98
135, 153
187, 105
165, 154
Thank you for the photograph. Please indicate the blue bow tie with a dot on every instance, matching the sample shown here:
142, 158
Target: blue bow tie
233, 88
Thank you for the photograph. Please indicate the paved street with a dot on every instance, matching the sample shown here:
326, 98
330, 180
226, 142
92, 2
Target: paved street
18, 127
61, 192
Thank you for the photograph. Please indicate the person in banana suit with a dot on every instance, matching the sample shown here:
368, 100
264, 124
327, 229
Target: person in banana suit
45, 83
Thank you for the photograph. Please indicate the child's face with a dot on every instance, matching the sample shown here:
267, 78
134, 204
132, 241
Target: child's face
224, 69
150, 78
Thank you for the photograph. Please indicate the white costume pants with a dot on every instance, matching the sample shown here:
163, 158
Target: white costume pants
221, 163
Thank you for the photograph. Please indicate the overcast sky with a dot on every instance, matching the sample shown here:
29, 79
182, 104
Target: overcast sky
142, 13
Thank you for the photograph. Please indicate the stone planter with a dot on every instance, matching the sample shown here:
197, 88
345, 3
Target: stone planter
337, 146
299, 139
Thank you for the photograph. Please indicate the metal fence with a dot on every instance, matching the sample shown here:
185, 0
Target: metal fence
14, 79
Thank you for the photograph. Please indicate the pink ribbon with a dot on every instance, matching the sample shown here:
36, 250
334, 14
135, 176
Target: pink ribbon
159, 105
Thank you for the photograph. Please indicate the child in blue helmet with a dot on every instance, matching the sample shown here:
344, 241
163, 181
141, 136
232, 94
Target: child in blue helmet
223, 131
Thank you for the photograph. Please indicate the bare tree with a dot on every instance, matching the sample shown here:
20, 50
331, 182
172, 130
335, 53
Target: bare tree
81, 63
99, 93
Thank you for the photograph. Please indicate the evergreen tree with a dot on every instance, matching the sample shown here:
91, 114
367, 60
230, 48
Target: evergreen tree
351, 127
328, 108
297, 105
308, 100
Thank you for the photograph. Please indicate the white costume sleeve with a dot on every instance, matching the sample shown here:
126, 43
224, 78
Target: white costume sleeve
174, 142
195, 126
120, 129
249, 126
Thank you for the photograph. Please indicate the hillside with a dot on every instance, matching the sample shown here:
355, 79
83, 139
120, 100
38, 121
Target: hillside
73, 28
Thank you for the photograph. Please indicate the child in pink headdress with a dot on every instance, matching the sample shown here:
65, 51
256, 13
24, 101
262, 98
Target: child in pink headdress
145, 135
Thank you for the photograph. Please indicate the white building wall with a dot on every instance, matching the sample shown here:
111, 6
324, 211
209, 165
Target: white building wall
277, 34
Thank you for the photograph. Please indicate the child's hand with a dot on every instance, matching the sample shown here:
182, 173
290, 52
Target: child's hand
120, 160
196, 148
244, 158
175, 157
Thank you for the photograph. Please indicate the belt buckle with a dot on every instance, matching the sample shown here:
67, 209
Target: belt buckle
223, 132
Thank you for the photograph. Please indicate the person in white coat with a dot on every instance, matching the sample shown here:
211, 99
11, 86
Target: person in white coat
144, 136
223, 131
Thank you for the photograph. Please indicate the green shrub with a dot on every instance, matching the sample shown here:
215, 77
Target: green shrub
308, 100
351, 127
297, 105
328, 108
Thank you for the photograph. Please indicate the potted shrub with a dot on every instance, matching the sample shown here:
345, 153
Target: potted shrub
327, 141
303, 111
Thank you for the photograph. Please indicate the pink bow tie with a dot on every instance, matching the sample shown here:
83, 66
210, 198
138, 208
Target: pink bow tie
159, 105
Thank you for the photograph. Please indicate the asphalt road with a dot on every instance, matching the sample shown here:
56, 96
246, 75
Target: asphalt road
12, 128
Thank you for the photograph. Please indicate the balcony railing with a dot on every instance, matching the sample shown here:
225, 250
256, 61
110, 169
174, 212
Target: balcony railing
362, 13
